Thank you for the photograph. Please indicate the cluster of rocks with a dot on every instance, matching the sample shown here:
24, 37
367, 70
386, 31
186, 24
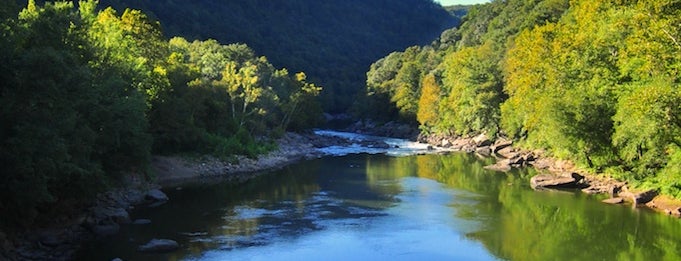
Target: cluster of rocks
292, 147
480, 145
556, 174
103, 218
111, 209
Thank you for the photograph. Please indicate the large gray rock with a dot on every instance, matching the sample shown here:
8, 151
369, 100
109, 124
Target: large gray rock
501, 144
613, 201
159, 245
482, 140
106, 229
117, 215
501, 165
445, 143
639, 197
551, 181
141, 221
484, 151
156, 195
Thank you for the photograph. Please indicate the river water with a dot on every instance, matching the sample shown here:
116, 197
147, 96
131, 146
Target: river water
392, 205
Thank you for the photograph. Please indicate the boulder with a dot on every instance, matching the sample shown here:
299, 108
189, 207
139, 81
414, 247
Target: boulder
517, 161
501, 165
613, 201
508, 152
501, 144
117, 215
156, 195
639, 197
51, 240
141, 222
468, 148
106, 230
159, 246
482, 140
445, 143
551, 181
484, 151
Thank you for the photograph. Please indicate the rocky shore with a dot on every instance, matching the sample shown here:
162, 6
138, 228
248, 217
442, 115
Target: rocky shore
292, 147
106, 213
554, 173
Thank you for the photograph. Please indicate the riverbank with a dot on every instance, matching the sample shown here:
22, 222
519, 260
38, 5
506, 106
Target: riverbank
105, 214
555, 173
292, 147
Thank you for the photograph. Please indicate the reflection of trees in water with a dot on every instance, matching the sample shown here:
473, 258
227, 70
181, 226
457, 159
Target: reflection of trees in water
515, 222
521, 224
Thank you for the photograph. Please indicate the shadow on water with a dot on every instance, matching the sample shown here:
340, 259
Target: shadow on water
427, 206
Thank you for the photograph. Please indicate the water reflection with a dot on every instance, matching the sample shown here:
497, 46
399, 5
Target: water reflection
521, 224
366, 207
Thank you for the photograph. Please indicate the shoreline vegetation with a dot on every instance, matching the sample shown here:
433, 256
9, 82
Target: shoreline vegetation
554, 173
109, 211
557, 174
91, 95
593, 82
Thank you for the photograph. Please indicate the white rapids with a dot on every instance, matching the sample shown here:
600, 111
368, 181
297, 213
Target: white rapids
397, 147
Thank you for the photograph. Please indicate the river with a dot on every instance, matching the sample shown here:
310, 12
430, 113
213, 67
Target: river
392, 205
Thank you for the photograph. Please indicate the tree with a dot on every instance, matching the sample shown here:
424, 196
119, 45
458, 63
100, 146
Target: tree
474, 92
647, 123
300, 102
427, 113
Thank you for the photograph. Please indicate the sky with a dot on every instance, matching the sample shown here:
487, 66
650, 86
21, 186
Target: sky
461, 2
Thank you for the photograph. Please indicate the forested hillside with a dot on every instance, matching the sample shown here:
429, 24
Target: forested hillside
333, 41
88, 95
596, 82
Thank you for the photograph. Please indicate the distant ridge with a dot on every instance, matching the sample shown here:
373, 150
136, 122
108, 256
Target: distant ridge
334, 42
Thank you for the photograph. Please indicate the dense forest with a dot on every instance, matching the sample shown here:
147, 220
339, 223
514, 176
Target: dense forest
333, 41
596, 82
89, 93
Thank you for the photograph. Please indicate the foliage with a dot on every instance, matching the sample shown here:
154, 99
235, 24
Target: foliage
428, 102
332, 41
595, 82
87, 95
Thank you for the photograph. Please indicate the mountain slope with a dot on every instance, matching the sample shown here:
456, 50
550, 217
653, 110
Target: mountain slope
334, 42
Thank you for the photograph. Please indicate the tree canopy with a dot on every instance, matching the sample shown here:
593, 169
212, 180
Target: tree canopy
592, 81
89, 94
334, 42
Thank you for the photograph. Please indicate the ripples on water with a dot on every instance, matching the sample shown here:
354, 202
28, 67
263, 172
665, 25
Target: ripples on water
418, 225
379, 207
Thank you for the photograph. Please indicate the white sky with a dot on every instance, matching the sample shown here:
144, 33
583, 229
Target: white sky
461, 2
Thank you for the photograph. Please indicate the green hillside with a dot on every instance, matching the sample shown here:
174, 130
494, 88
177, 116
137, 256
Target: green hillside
595, 82
334, 42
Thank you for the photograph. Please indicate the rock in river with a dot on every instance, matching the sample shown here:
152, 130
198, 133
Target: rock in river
156, 195
556, 181
613, 201
159, 245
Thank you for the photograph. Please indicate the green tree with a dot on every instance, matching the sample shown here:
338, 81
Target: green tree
474, 92
427, 113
